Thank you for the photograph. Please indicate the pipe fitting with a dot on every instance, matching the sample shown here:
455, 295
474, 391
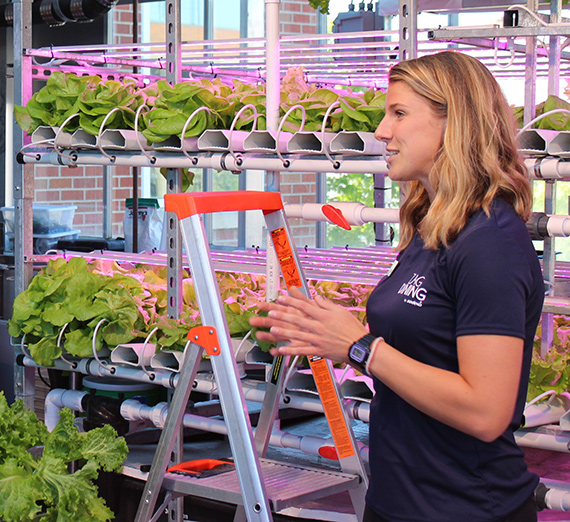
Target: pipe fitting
59, 398
537, 225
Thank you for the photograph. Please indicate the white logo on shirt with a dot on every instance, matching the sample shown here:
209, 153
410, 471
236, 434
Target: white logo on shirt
413, 289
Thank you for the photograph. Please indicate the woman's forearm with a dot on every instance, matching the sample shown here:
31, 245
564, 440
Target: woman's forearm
479, 400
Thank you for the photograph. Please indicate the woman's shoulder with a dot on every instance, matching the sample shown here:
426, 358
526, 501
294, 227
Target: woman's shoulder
501, 218
502, 233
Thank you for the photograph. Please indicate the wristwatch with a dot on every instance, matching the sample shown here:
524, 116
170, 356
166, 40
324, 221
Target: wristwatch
359, 352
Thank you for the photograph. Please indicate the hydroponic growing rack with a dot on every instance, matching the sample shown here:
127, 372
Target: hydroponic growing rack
328, 60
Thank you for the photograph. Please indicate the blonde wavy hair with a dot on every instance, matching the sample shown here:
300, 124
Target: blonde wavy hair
478, 160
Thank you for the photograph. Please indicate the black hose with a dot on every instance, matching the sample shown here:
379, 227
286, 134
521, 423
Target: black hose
59, 12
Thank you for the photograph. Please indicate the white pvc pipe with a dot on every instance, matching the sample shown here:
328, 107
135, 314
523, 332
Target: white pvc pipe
556, 484
272, 64
532, 439
358, 410
133, 410
217, 161
355, 213
255, 392
89, 366
205, 383
58, 398
548, 168
558, 226
558, 499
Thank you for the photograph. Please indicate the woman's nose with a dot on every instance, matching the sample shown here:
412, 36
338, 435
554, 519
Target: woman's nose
382, 132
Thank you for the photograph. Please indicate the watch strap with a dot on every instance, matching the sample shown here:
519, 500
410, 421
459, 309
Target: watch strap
359, 352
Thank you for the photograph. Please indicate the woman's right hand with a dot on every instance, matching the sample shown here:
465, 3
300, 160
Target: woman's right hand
313, 326
264, 322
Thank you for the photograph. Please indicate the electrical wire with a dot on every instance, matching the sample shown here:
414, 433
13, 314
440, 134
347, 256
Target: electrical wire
41, 377
531, 13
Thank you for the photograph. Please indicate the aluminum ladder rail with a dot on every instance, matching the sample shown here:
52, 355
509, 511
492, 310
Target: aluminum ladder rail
246, 486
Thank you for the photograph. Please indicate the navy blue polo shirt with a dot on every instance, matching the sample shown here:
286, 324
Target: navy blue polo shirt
488, 281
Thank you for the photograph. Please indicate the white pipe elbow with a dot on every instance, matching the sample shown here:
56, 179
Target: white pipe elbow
59, 398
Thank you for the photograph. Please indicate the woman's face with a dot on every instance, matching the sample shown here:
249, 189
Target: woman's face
413, 135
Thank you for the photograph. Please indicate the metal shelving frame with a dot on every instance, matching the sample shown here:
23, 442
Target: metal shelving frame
329, 60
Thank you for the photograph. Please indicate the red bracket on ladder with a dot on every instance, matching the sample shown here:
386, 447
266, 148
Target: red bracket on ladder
207, 338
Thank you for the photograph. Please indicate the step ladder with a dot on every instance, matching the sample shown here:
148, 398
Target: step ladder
258, 486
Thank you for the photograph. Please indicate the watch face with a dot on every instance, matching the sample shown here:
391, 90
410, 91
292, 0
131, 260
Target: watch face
358, 354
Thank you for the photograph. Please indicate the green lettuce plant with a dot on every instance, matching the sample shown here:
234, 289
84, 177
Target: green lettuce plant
551, 371
66, 296
558, 121
175, 104
117, 100
169, 107
55, 102
36, 486
67, 299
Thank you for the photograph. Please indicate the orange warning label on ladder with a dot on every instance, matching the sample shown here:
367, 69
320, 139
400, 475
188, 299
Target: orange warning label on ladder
332, 407
286, 259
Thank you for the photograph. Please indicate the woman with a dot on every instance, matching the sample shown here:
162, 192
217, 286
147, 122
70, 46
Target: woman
451, 326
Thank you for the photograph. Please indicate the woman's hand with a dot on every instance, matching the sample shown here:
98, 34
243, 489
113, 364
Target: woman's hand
313, 327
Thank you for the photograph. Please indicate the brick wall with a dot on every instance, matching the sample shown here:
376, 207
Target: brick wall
300, 188
123, 23
297, 17
83, 187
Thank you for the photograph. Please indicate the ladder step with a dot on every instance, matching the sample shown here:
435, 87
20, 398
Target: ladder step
286, 484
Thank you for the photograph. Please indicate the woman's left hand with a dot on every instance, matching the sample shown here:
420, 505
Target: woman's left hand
314, 326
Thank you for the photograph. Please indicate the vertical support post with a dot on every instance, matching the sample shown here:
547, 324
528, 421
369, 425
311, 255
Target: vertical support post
108, 202
272, 96
242, 185
321, 197
135, 170
408, 29
208, 20
530, 72
173, 238
548, 267
554, 50
549, 256
243, 15
174, 176
23, 189
380, 229
273, 65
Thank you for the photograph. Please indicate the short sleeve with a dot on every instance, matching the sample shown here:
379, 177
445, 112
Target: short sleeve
491, 279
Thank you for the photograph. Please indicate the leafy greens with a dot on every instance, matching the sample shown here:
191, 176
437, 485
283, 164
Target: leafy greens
74, 296
197, 105
40, 488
